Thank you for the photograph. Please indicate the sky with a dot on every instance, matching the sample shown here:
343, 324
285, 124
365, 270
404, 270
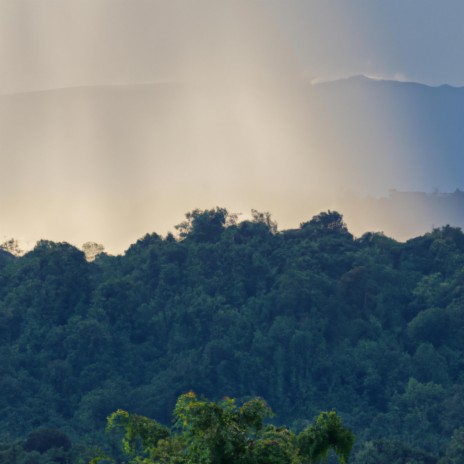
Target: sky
57, 43
119, 116
414, 40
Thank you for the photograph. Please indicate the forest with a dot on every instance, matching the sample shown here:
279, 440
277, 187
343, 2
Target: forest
310, 320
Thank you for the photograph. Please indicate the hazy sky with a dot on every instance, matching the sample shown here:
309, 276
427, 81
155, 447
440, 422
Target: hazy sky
56, 43
417, 40
223, 123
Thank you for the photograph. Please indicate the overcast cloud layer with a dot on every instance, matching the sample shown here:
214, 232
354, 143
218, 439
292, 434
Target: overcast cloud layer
57, 43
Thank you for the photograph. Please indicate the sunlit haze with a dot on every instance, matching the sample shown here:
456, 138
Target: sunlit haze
119, 116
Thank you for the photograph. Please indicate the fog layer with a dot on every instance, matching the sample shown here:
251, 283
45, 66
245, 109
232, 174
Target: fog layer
118, 117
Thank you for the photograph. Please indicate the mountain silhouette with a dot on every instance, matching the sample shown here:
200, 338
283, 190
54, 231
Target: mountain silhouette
102, 157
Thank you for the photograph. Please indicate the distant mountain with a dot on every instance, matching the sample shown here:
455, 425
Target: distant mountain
107, 163
397, 125
401, 214
404, 137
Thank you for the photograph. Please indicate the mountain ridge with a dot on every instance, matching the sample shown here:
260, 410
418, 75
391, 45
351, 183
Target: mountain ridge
314, 81
266, 145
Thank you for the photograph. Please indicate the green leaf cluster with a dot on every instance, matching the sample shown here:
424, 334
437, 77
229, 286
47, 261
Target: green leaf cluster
206, 432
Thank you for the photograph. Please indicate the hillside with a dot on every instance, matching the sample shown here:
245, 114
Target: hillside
310, 319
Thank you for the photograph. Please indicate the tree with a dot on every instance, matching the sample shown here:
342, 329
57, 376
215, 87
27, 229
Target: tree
205, 225
207, 432
265, 219
44, 439
12, 246
455, 449
141, 433
92, 250
327, 433
326, 222
393, 452
220, 432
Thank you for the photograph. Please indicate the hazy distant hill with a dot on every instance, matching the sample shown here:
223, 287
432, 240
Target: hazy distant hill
362, 123
404, 213
425, 124
425, 127
103, 158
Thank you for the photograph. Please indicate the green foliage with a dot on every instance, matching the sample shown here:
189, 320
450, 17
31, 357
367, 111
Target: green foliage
219, 432
206, 432
392, 452
141, 434
455, 449
43, 439
44, 446
264, 219
327, 433
430, 325
330, 222
207, 225
311, 319
277, 445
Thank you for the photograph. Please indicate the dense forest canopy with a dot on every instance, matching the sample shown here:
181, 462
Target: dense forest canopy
311, 319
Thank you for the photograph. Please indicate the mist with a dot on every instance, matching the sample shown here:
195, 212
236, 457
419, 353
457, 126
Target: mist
117, 117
